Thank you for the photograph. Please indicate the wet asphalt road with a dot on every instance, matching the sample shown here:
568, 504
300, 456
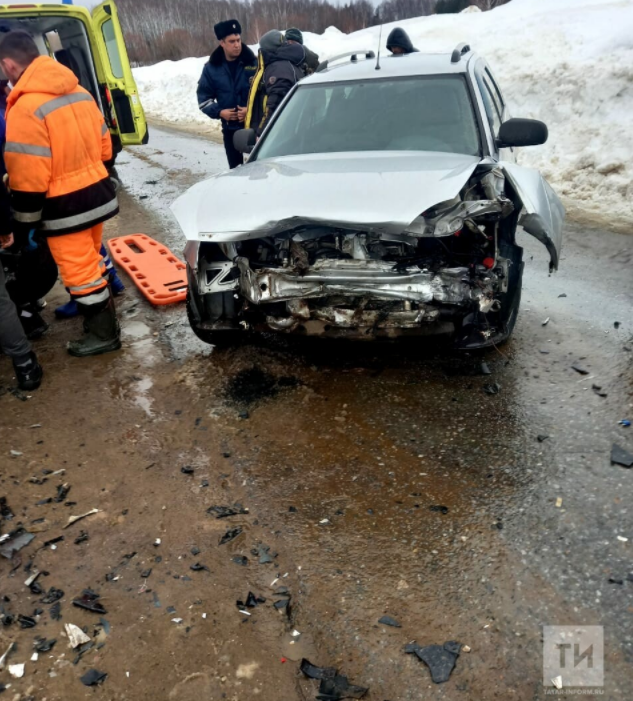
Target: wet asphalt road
384, 476
377, 436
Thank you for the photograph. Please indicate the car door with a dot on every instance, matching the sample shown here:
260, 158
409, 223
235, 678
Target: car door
126, 111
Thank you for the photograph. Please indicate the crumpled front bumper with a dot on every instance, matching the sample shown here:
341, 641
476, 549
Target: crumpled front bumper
359, 297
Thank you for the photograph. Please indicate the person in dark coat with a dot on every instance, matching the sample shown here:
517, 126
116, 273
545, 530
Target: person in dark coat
224, 84
283, 68
398, 42
294, 36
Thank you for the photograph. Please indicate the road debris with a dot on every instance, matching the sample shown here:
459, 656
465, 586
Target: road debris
388, 621
177, 621
333, 686
230, 535
580, 369
187, 470
484, 369
13, 542
82, 538
199, 568
76, 636
264, 554
439, 508
43, 645
56, 611
74, 519
558, 682
52, 596
16, 670
26, 621
62, 492
598, 390
559, 502
93, 677
619, 456
546, 322
542, 437
624, 422
5, 509
241, 560
492, 388
622, 539
3, 659
89, 600
440, 659
225, 511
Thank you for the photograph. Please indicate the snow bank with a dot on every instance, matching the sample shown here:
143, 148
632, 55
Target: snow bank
567, 62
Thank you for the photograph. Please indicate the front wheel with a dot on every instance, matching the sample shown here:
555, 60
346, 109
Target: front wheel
223, 336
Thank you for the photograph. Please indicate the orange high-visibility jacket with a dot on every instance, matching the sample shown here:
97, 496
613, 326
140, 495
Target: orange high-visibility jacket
57, 142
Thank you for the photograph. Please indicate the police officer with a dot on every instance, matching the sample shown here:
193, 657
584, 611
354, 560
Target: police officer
224, 84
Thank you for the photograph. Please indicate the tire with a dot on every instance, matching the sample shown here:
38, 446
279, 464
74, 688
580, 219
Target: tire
222, 338
504, 320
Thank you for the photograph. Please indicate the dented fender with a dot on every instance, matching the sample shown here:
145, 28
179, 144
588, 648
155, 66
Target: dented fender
544, 214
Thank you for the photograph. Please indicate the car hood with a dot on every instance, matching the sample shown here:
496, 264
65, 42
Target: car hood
378, 191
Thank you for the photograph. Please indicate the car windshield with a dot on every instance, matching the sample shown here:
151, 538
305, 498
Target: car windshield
421, 113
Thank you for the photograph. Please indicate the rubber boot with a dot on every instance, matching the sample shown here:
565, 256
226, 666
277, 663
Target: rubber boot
116, 284
68, 310
102, 332
32, 323
29, 375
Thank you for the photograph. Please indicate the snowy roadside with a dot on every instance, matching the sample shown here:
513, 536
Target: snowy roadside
567, 62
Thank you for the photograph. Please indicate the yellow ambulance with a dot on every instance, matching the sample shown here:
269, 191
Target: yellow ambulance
91, 44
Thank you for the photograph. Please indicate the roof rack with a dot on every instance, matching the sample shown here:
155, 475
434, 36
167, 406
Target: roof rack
459, 51
365, 53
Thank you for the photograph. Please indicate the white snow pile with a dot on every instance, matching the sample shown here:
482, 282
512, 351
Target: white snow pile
566, 62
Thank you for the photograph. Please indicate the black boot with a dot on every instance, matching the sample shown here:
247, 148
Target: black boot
102, 333
32, 323
29, 375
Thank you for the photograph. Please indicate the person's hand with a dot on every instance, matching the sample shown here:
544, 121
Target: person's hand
6, 241
229, 115
241, 114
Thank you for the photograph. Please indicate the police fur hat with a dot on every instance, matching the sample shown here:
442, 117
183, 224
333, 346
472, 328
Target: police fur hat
294, 34
226, 28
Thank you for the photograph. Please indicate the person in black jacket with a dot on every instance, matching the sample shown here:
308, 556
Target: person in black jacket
398, 42
13, 341
283, 68
224, 84
294, 36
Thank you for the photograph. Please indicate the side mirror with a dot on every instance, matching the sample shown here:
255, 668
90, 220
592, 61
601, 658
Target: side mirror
522, 132
244, 140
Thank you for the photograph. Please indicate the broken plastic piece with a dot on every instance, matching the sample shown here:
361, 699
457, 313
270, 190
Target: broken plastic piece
579, 369
93, 677
76, 636
26, 621
313, 672
493, 388
339, 688
177, 621
16, 670
224, 511
558, 682
62, 492
439, 507
598, 390
187, 470
624, 422
74, 519
230, 535
484, 369
241, 560
542, 437
56, 611
559, 502
388, 621
15, 541
43, 645
52, 596
264, 554
89, 601
440, 659
82, 538
3, 659
546, 322
619, 456
199, 568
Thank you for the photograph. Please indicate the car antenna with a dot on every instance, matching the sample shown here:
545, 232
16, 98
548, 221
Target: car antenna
379, 43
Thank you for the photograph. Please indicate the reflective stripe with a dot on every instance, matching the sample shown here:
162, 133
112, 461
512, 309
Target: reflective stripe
96, 298
29, 149
94, 283
79, 219
62, 101
202, 105
27, 217
104, 129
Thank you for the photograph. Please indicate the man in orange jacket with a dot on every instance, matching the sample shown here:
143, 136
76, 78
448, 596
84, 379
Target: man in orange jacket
57, 143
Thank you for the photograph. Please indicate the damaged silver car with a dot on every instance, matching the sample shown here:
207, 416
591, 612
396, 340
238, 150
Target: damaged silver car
383, 200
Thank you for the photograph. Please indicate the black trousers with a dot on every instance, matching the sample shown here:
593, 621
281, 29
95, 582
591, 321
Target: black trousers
234, 157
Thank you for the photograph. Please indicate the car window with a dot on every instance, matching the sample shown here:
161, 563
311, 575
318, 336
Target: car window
491, 103
112, 48
421, 113
497, 92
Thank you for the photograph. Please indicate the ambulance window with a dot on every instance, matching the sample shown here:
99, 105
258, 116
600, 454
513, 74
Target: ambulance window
112, 48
